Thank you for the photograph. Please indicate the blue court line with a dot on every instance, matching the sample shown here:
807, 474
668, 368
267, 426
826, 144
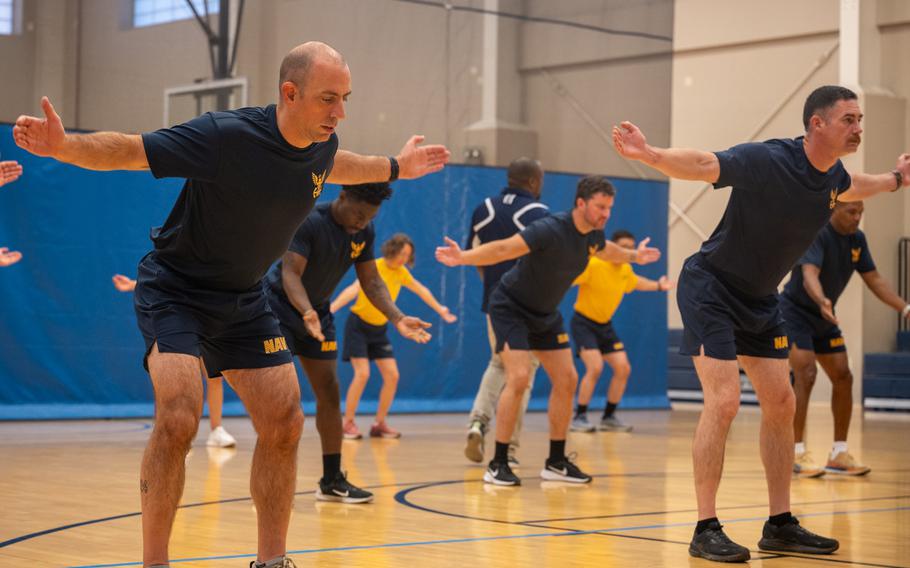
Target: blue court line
606, 531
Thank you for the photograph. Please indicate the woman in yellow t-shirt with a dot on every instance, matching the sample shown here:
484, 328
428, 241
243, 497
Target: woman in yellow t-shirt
601, 288
365, 337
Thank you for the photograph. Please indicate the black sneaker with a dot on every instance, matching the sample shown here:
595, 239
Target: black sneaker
794, 538
713, 544
499, 473
339, 490
563, 469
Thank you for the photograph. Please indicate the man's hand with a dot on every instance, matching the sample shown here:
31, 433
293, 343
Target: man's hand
645, 254
40, 136
313, 325
664, 284
629, 141
123, 283
903, 166
10, 170
827, 310
414, 329
447, 315
8, 257
449, 255
416, 161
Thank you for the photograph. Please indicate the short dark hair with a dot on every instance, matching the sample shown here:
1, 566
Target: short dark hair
589, 186
823, 98
621, 234
521, 171
395, 243
372, 193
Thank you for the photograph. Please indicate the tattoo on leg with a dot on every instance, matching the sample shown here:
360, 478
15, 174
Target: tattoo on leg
143, 485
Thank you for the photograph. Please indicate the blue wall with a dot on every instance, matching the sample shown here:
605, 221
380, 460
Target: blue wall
69, 346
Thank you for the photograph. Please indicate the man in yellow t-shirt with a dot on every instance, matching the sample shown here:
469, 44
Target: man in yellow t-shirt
365, 336
601, 288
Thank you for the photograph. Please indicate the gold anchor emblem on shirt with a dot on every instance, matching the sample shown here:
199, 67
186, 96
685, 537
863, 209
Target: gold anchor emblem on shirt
357, 248
317, 184
854, 254
592, 250
833, 198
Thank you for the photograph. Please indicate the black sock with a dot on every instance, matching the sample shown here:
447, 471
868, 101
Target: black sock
502, 452
781, 519
705, 524
331, 465
581, 410
610, 409
557, 450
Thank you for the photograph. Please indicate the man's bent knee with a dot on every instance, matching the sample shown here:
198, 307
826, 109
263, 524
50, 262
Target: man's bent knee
805, 375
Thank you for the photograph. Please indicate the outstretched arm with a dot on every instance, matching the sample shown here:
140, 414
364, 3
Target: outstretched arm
96, 151
424, 294
643, 254
346, 297
663, 284
679, 163
10, 170
486, 254
884, 292
413, 162
869, 185
378, 293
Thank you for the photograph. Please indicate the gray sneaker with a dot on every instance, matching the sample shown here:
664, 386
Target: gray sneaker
613, 424
580, 424
285, 563
473, 448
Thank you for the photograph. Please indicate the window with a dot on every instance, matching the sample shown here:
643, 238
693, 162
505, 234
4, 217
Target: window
7, 14
151, 12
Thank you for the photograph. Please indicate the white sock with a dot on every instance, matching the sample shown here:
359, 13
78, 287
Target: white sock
800, 448
837, 448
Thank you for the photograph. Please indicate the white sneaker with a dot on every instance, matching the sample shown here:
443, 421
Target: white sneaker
219, 438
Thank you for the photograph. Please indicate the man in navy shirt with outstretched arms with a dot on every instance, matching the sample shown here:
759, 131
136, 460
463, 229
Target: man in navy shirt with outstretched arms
807, 303
524, 313
253, 175
783, 193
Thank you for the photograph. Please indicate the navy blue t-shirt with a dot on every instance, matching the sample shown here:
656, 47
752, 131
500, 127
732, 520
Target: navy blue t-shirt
559, 253
837, 256
246, 192
330, 251
499, 218
778, 204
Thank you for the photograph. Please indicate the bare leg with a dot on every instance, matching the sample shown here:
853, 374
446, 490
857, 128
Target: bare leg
720, 385
388, 368
558, 365
594, 366
178, 407
770, 378
619, 362
802, 361
272, 397
517, 365
837, 368
323, 377
358, 383
215, 397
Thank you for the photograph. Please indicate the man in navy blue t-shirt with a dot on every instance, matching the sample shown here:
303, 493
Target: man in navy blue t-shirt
333, 237
783, 193
807, 304
524, 314
252, 176
500, 217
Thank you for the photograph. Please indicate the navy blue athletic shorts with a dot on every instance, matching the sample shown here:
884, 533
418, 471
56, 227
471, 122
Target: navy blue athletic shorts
365, 341
523, 329
229, 330
724, 320
809, 331
588, 334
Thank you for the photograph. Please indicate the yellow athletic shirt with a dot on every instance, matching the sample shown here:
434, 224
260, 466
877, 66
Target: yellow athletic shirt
393, 278
601, 288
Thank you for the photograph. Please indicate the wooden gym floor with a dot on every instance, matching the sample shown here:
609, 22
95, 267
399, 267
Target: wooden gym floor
68, 497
